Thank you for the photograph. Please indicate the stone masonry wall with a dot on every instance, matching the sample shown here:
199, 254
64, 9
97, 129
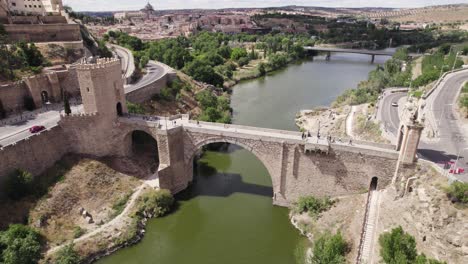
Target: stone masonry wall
145, 93
12, 95
345, 170
35, 154
43, 32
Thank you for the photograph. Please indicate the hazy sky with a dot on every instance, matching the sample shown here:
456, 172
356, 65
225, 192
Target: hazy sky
110, 5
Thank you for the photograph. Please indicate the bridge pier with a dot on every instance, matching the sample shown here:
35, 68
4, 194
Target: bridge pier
373, 58
328, 56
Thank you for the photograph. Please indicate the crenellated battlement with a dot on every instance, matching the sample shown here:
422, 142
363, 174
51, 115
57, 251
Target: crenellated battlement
77, 116
101, 63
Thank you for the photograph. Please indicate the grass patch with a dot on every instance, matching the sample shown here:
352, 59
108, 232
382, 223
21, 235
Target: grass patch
78, 232
119, 205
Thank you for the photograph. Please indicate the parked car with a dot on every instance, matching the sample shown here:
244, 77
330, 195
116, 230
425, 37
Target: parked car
395, 104
36, 129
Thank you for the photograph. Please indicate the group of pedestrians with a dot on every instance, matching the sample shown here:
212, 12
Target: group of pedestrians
330, 139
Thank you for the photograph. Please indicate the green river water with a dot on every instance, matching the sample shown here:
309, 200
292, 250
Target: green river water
227, 215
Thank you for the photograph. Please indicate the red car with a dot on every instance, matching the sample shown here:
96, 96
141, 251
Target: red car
36, 129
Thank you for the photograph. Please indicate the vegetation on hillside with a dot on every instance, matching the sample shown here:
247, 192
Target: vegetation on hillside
397, 246
20, 244
463, 101
18, 59
391, 74
67, 255
212, 57
434, 65
329, 249
458, 192
312, 205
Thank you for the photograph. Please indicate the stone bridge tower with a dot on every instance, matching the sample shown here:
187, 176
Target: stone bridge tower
101, 88
410, 131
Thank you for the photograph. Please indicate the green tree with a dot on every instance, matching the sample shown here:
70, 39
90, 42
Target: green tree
329, 249
458, 191
31, 54
20, 244
397, 247
465, 50
238, 53
207, 99
201, 71
67, 255
261, 69
143, 61
18, 184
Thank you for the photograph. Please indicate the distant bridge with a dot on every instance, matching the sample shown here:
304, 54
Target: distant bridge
373, 53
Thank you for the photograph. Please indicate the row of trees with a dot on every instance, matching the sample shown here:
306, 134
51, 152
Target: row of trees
444, 60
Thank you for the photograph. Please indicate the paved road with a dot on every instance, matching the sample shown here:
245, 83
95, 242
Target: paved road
10, 134
154, 71
441, 104
128, 61
452, 137
389, 114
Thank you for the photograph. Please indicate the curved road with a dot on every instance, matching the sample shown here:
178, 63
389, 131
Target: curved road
389, 114
128, 62
441, 104
154, 71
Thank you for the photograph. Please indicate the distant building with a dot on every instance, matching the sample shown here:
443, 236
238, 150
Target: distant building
145, 13
34, 7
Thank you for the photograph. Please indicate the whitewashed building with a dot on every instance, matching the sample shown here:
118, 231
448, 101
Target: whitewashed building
35, 7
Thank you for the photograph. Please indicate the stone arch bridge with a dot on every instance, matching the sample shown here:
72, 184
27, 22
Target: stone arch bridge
296, 166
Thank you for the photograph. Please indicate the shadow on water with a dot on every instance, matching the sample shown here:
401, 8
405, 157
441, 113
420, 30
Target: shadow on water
211, 181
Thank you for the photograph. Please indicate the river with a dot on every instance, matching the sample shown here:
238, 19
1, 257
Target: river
227, 215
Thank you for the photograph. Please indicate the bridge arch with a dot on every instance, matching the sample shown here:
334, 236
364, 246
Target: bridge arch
142, 146
259, 154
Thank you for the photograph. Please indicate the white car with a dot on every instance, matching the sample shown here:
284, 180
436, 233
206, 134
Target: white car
395, 104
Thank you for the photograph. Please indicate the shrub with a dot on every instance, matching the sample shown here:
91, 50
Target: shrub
458, 192
135, 108
329, 249
78, 231
18, 184
312, 205
155, 202
397, 247
67, 255
119, 205
243, 61
20, 244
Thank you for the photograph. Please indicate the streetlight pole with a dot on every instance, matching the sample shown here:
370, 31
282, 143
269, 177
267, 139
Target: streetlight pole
455, 61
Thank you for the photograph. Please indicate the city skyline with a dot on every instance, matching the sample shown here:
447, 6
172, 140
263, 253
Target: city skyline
119, 5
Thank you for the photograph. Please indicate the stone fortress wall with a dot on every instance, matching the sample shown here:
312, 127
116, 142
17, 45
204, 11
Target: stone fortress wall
43, 32
53, 83
34, 154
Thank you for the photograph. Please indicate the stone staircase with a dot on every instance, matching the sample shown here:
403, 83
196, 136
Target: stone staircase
367, 239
